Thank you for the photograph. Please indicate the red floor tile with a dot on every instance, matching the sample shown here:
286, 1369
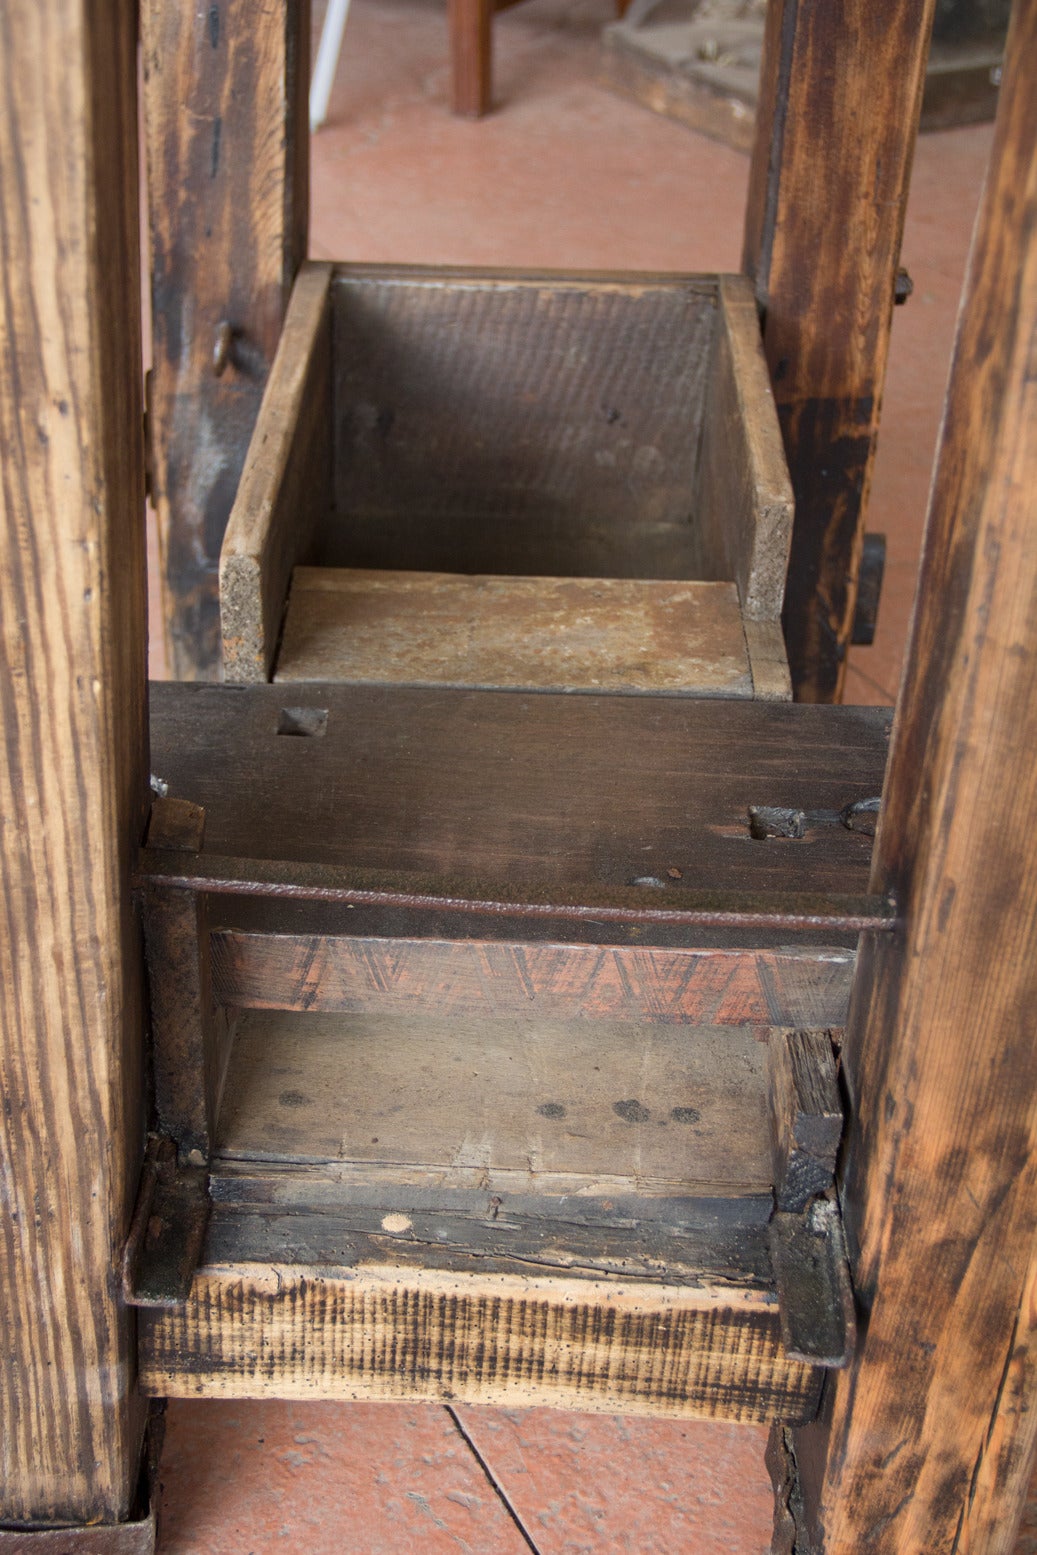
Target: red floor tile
247, 1478
610, 1485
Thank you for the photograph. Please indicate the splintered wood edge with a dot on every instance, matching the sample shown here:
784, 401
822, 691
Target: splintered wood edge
291, 1331
762, 583
248, 617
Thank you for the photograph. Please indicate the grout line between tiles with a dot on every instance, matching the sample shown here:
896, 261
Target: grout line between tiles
872, 682
494, 1483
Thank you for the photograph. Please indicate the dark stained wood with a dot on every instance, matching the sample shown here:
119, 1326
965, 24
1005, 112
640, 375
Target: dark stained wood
190, 1036
358, 974
840, 97
74, 770
497, 788
284, 497
176, 825
228, 152
806, 1116
926, 1445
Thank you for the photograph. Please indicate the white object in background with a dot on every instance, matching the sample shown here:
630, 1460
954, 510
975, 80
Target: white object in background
327, 61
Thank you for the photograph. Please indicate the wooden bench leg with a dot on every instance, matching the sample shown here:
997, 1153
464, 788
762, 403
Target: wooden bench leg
471, 57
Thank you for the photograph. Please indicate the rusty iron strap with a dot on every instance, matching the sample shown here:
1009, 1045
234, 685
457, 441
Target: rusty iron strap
648, 900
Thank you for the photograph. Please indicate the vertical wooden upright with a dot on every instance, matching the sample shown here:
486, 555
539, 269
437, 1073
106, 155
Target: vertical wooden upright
926, 1442
840, 99
225, 112
73, 774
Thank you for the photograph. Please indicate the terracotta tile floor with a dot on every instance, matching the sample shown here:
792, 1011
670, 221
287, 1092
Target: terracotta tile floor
562, 174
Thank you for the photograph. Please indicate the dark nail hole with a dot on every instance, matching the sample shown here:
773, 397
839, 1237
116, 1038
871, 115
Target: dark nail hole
303, 722
551, 1109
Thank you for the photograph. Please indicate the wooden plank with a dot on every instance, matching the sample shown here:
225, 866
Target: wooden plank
806, 1116
313, 1331
840, 97
565, 793
225, 87
939, 1052
675, 1107
618, 635
744, 520
73, 775
284, 497
518, 423
681, 986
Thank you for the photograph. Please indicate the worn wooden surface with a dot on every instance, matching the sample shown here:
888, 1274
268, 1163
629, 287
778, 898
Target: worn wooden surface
840, 96
359, 972
619, 635
284, 497
225, 87
805, 1115
744, 510
565, 792
518, 423
926, 1446
661, 1106
506, 1339
73, 778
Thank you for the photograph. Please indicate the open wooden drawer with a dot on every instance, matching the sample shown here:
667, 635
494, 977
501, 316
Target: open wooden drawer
471, 1026
513, 480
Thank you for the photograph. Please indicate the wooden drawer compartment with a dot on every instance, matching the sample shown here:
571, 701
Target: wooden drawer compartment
527, 481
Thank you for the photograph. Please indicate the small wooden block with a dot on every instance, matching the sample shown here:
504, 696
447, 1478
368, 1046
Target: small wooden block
176, 825
808, 1254
806, 1116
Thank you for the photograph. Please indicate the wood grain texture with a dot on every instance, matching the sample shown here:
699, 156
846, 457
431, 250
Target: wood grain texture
293, 1331
73, 777
636, 983
744, 517
284, 496
679, 1108
940, 1052
805, 1116
518, 423
617, 635
227, 155
840, 98
503, 789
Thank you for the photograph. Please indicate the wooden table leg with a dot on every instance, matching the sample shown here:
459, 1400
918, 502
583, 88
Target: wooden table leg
73, 781
840, 98
225, 112
471, 56
927, 1442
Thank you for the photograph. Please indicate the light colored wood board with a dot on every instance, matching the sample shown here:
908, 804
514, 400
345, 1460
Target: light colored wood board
73, 778
224, 110
768, 661
284, 1331
284, 496
744, 512
677, 1108
458, 978
552, 634
941, 1179
840, 98
518, 424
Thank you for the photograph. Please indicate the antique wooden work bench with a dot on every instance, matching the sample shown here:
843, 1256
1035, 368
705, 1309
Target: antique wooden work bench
543, 1021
